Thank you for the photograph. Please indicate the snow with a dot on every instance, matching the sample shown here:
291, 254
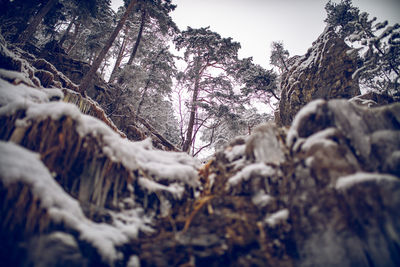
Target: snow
256, 169
277, 217
18, 164
134, 261
348, 181
162, 165
265, 145
261, 199
363, 102
235, 152
308, 109
53, 93
16, 77
151, 186
15, 95
131, 221
320, 138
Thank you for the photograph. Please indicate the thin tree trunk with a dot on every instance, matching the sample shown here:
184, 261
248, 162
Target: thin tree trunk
163, 141
103, 68
87, 79
139, 37
284, 63
146, 87
73, 40
120, 56
188, 140
32, 26
66, 33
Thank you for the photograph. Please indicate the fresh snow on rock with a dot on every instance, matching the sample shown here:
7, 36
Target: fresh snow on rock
261, 199
308, 109
18, 164
277, 217
360, 177
252, 170
172, 166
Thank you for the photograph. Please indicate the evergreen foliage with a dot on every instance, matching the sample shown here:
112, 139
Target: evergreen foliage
377, 44
279, 56
209, 58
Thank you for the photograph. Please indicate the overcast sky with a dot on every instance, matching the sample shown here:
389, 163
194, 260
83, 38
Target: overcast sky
256, 23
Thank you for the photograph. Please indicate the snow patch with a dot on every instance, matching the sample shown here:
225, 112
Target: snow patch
259, 169
131, 221
261, 199
161, 165
235, 152
151, 186
320, 138
18, 164
277, 217
308, 109
348, 181
15, 76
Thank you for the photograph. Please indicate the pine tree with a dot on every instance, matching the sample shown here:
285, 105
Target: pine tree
78, 11
206, 54
376, 44
35, 21
256, 81
154, 19
279, 56
87, 79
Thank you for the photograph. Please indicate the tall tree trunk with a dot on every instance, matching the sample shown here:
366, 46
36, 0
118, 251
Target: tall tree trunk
146, 87
66, 33
139, 37
32, 26
87, 79
103, 68
73, 40
120, 56
188, 140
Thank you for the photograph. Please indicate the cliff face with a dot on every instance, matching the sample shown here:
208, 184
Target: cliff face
75, 191
324, 72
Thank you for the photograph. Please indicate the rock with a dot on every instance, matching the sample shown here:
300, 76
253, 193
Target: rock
46, 78
372, 99
333, 144
324, 72
60, 249
264, 145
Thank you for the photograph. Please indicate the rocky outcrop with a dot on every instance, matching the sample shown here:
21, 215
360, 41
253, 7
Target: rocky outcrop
324, 72
75, 192
329, 199
86, 191
345, 184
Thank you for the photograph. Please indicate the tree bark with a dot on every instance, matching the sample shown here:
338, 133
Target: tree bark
139, 37
120, 56
163, 141
37, 19
87, 79
188, 140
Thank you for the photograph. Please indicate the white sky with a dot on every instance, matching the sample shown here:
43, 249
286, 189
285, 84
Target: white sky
256, 23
